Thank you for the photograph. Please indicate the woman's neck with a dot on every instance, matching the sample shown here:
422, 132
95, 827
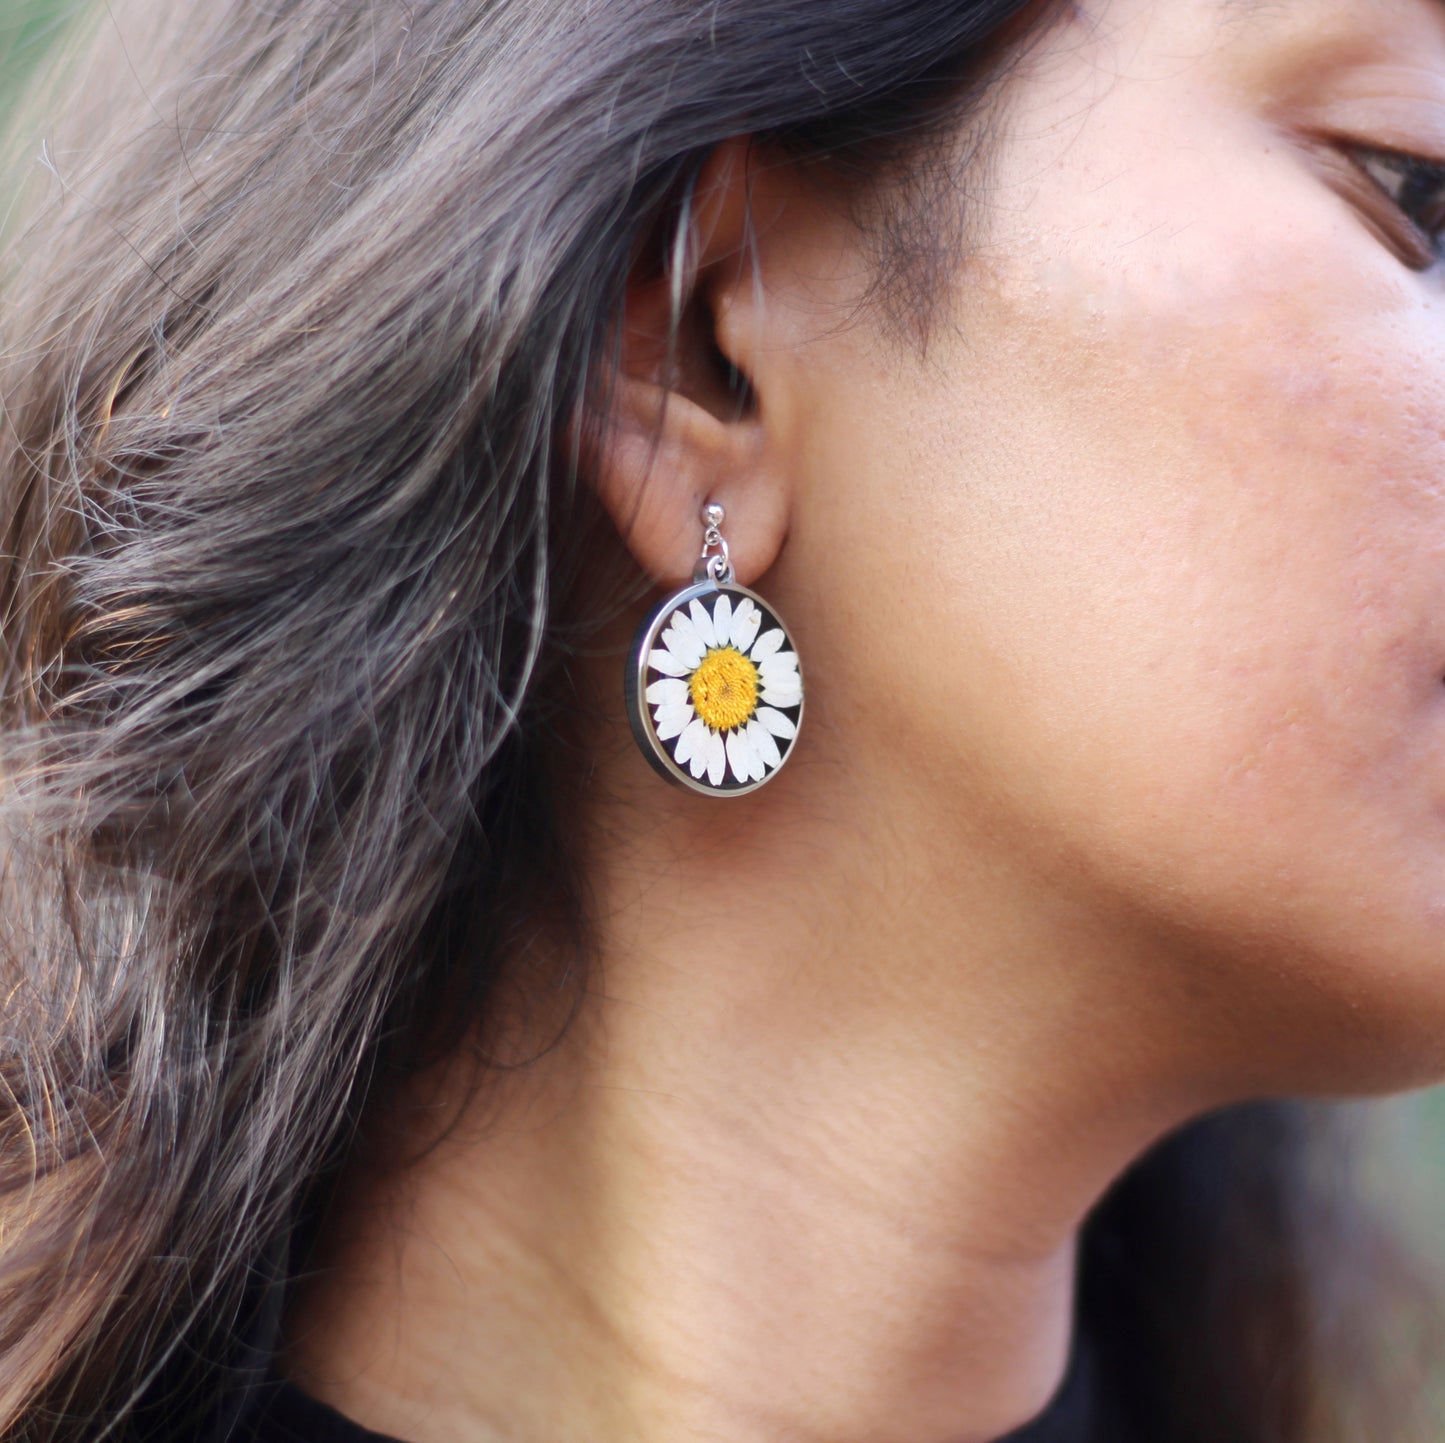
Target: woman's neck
810, 1164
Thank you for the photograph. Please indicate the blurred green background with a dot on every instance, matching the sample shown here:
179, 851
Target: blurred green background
1409, 1168
26, 29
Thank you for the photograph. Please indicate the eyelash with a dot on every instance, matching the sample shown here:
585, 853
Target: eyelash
1415, 186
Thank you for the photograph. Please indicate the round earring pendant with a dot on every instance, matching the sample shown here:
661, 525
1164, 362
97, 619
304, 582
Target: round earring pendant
714, 690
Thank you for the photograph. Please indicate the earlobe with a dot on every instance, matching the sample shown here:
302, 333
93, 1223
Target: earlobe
679, 423
659, 456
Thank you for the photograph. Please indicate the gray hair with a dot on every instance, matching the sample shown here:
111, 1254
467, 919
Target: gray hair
285, 364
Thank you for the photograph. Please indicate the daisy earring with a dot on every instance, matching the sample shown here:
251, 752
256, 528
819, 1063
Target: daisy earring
714, 690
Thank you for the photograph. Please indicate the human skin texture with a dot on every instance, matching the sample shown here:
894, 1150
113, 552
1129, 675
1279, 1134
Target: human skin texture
1121, 793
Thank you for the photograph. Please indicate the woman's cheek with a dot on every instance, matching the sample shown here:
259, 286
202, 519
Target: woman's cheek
1226, 613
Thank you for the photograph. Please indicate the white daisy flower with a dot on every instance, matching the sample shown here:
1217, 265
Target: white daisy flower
726, 681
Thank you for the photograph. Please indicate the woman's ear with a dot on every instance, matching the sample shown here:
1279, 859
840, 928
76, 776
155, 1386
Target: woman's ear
681, 421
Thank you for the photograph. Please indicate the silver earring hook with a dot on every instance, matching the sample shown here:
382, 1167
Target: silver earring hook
713, 564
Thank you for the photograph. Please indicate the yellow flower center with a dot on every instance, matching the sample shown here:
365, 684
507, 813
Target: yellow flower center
725, 688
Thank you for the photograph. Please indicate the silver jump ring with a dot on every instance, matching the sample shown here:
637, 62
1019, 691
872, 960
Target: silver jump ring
714, 563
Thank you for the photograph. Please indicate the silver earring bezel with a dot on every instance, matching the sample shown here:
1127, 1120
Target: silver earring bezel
635, 676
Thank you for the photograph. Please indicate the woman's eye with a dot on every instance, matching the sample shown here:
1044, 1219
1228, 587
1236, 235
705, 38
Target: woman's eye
1415, 186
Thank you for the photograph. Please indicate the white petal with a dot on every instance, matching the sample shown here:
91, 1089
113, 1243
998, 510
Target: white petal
671, 720
746, 620
763, 744
784, 664
703, 622
742, 757
667, 692
717, 759
767, 644
776, 722
660, 659
722, 619
686, 646
781, 693
689, 742
760, 765
681, 623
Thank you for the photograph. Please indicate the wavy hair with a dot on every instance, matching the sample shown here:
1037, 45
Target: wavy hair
293, 320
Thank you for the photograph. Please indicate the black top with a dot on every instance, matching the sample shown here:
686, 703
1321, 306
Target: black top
279, 1412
